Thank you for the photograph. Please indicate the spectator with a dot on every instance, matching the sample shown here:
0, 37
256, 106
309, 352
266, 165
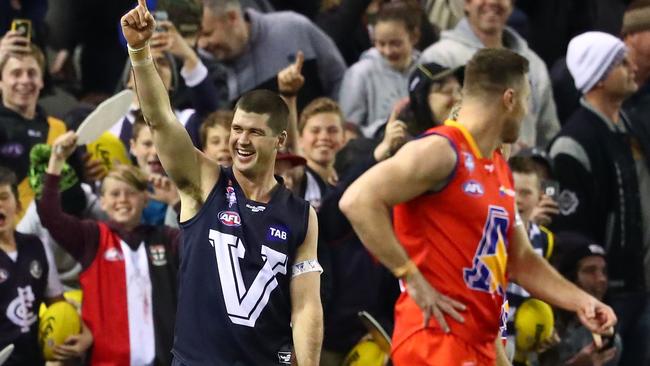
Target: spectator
485, 26
583, 264
215, 136
254, 47
129, 269
380, 78
528, 193
598, 167
23, 123
160, 206
432, 88
636, 35
29, 278
321, 137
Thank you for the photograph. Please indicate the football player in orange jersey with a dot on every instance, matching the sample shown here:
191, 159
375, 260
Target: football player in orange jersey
457, 238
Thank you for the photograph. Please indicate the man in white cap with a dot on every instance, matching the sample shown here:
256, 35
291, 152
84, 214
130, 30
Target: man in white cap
595, 158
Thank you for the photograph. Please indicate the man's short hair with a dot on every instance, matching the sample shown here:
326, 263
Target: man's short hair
8, 177
34, 51
264, 101
221, 118
493, 70
319, 106
221, 6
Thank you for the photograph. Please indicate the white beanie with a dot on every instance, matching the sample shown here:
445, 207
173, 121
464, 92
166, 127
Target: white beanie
590, 57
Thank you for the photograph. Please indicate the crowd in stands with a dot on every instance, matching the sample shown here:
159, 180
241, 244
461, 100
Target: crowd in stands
361, 79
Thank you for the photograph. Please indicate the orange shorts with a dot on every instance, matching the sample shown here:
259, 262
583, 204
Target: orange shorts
429, 348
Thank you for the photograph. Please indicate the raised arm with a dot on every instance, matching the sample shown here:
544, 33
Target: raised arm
290, 81
184, 164
306, 308
368, 202
78, 237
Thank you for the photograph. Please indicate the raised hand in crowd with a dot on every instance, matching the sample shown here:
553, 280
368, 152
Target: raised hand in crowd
290, 81
170, 40
13, 42
544, 211
62, 148
164, 190
395, 134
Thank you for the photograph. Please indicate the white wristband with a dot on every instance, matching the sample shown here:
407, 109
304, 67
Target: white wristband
146, 61
307, 266
131, 49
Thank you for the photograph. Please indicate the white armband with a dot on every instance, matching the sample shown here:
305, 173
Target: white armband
310, 265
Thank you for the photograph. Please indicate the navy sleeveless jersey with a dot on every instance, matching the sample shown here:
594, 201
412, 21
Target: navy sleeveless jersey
22, 289
234, 305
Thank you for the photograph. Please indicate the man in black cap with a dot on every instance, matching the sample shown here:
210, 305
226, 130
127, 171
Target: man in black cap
584, 263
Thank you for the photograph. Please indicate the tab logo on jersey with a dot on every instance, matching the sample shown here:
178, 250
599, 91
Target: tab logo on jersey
229, 218
277, 234
473, 188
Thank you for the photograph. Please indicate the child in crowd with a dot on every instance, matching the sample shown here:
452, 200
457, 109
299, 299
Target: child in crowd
528, 193
321, 137
215, 135
160, 206
380, 78
129, 269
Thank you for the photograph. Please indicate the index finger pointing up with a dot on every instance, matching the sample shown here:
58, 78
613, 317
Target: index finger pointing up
300, 59
143, 3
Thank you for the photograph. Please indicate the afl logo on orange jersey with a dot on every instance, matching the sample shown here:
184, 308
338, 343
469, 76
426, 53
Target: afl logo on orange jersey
229, 218
473, 188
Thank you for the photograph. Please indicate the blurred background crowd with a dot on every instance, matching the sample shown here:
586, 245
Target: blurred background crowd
361, 78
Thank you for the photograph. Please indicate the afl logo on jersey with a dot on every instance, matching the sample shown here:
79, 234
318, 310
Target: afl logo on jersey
473, 188
229, 218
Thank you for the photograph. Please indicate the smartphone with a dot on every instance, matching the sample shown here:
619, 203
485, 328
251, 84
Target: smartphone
23, 26
160, 15
551, 188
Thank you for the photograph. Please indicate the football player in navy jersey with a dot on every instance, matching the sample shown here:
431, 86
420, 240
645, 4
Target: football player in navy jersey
249, 277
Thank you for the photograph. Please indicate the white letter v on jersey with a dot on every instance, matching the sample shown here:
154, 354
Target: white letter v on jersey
244, 305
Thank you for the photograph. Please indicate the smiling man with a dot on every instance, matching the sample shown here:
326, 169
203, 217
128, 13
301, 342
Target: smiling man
249, 278
485, 26
23, 124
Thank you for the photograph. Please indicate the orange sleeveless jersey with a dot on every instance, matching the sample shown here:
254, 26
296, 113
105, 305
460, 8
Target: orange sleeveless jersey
458, 238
